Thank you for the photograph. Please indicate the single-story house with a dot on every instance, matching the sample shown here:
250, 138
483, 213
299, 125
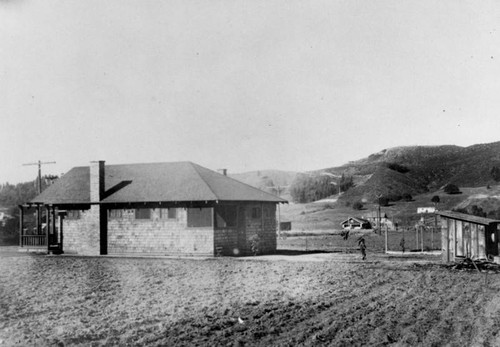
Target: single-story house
468, 236
177, 208
355, 223
374, 217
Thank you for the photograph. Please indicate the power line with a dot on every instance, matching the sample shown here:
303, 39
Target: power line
39, 163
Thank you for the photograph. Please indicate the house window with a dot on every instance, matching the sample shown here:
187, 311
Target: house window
226, 216
256, 213
199, 217
142, 213
73, 214
168, 213
267, 212
115, 214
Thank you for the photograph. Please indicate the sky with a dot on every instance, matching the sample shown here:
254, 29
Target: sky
243, 85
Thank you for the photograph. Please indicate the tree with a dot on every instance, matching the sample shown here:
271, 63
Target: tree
451, 189
383, 201
495, 173
346, 183
407, 197
435, 199
477, 211
307, 188
358, 205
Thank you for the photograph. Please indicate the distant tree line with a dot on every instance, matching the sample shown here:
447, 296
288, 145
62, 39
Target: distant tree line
386, 199
307, 188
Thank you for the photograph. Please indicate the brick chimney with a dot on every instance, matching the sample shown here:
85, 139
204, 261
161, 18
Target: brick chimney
96, 181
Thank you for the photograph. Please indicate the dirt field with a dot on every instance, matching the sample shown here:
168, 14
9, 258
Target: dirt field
284, 300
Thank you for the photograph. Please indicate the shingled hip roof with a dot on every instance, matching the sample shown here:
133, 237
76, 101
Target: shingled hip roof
153, 182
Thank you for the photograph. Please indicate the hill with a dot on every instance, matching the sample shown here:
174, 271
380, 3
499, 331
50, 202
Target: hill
273, 181
420, 169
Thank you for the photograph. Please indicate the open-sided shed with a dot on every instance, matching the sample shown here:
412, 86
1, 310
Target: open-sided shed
464, 235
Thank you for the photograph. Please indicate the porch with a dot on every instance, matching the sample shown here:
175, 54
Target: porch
47, 234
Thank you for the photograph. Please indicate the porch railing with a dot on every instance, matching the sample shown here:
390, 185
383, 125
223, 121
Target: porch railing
33, 240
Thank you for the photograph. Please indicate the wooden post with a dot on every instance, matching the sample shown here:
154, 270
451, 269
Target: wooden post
416, 237
386, 238
38, 219
47, 227
61, 233
279, 221
432, 238
54, 235
21, 224
422, 238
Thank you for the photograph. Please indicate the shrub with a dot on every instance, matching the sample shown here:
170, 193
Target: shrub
495, 173
451, 189
397, 167
393, 197
358, 205
407, 197
255, 244
435, 199
383, 201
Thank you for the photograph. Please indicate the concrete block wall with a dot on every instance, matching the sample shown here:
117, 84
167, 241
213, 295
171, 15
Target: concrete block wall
81, 236
158, 236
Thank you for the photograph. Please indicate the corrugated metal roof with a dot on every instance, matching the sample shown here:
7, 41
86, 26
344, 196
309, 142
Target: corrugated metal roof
153, 182
467, 217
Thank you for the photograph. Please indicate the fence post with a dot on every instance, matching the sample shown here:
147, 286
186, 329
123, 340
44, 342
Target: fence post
422, 238
416, 237
386, 238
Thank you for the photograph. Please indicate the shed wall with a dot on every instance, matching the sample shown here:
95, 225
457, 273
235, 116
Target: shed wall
466, 239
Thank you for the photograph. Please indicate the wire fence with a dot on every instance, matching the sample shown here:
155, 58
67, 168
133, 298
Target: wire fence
406, 239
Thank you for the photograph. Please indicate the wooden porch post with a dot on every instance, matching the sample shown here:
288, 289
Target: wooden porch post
61, 232
38, 219
54, 235
21, 224
47, 228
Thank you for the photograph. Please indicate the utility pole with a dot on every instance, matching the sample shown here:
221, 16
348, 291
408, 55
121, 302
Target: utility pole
379, 215
38, 209
40, 163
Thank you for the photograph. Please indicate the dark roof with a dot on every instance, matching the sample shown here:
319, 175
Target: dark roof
154, 182
357, 219
467, 217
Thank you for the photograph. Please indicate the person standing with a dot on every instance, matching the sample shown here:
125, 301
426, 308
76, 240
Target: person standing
362, 247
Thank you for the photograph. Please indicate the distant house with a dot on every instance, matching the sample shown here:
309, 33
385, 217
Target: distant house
374, 217
157, 209
355, 223
464, 235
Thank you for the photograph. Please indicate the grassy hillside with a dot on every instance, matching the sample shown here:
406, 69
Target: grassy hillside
273, 181
327, 216
426, 169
